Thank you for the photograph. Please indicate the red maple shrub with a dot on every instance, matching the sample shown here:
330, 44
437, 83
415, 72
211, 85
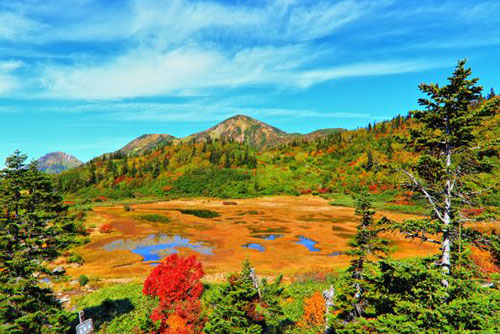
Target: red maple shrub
106, 228
176, 283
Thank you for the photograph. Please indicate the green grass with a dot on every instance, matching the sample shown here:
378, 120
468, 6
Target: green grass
117, 309
154, 218
122, 308
199, 213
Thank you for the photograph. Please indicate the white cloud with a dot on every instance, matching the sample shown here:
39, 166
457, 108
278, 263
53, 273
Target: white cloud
180, 47
9, 82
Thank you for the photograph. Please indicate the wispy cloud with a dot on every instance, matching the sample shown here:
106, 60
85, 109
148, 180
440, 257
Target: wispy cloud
136, 48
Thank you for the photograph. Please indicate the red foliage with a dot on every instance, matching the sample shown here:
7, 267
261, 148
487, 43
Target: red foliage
323, 190
176, 283
100, 198
167, 188
106, 228
119, 179
372, 188
306, 191
69, 202
472, 212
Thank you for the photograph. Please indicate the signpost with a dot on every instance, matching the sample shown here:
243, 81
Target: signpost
85, 326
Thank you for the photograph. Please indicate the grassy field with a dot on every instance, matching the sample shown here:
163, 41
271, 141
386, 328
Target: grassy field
282, 234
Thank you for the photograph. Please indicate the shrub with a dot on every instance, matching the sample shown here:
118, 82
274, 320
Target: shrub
106, 228
200, 213
127, 208
176, 284
314, 311
75, 258
155, 218
83, 280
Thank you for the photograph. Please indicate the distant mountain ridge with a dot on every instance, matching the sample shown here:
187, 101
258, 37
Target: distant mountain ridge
146, 143
238, 128
57, 162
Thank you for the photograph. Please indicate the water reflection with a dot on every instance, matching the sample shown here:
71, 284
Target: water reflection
258, 247
308, 243
157, 246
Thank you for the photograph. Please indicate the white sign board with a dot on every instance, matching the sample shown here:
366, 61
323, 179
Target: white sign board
86, 327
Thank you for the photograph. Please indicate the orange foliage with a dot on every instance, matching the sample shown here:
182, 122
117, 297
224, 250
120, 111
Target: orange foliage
472, 212
106, 228
484, 260
119, 179
314, 311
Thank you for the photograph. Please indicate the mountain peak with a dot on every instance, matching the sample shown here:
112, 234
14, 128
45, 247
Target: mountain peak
242, 128
146, 143
56, 162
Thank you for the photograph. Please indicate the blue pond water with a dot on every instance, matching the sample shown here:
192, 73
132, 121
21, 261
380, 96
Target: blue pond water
308, 243
336, 254
268, 236
258, 247
157, 246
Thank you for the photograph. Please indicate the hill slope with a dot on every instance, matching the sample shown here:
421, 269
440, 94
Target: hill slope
243, 129
57, 162
146, 143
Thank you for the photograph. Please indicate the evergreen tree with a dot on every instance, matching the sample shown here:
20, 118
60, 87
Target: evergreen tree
366, 245
369, 161
246, 305
450, 154
34, 228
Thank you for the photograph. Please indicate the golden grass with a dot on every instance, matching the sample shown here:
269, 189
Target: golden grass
313, 217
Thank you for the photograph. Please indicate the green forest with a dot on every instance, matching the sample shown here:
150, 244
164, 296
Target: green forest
440, 163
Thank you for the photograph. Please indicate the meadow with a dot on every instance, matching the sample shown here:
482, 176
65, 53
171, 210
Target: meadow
279, 234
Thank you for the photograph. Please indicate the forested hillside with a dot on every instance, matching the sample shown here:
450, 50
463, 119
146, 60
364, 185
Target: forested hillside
334, 163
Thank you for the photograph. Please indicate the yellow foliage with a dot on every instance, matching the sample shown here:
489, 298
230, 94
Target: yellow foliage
314, 311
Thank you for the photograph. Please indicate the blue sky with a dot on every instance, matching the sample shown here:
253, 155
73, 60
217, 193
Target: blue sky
87, 76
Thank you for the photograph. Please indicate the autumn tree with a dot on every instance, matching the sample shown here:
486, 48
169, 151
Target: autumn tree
450, 154
34, 229
176, 284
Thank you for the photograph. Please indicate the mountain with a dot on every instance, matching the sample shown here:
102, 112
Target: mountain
56, 162
243, 129
146, 143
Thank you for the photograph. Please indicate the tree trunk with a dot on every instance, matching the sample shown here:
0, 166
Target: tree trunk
446, 246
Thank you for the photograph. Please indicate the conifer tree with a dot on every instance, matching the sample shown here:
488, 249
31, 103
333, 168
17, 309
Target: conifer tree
450, 155
366, 245
34, 228
246, 305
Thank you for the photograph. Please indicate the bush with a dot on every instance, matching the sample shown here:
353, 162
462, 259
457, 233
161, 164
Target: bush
106, 228
75, 258
83, 280
155, 218
127, 208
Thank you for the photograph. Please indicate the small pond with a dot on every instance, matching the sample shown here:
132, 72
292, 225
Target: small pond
268, 236
308, 243
255, 246
157, 246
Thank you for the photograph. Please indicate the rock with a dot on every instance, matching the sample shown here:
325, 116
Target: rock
58, 271
64, 299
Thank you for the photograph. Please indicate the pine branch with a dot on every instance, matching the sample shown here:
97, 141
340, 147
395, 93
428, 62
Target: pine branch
426, 194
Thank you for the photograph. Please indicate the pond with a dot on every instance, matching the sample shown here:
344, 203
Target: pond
255, 246
157, 246
308, 243
268, 236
